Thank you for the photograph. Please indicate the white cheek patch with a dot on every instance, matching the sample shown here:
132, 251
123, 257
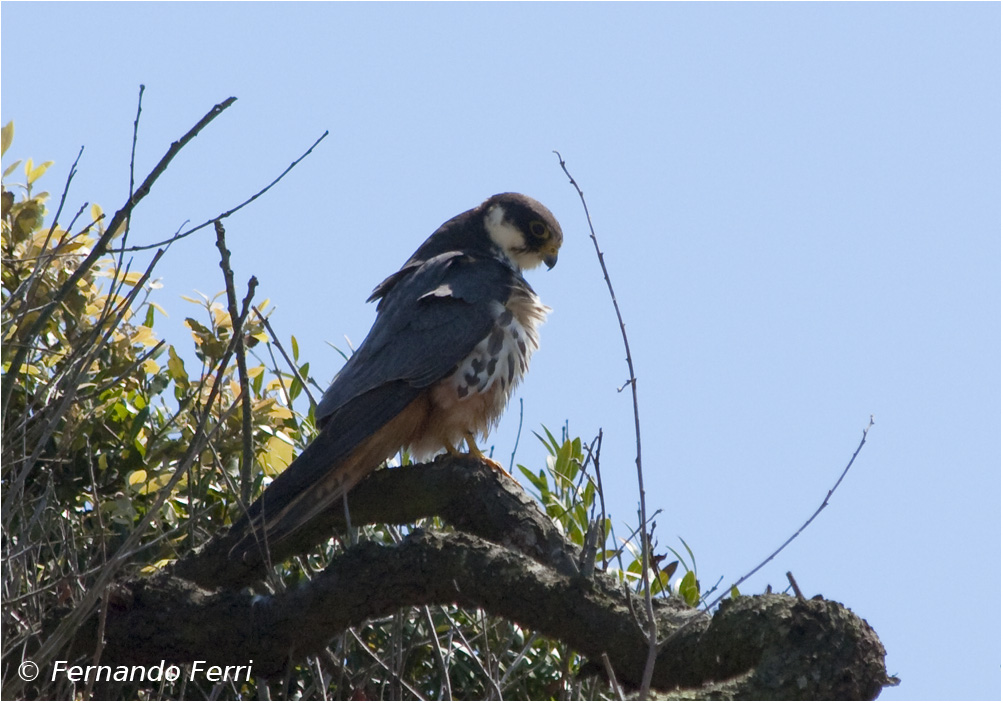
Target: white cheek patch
509, 239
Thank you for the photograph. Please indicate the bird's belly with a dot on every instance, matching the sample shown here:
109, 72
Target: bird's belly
472, 399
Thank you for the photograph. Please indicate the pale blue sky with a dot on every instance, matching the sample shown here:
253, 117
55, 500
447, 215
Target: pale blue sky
799, 205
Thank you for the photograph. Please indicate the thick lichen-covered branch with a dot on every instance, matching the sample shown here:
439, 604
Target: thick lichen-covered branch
508, 559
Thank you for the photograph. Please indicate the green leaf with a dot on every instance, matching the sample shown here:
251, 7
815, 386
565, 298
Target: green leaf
296, 349
555, 445
176, 367
562, 464
6, 137
693, 559
539, 480
689, 589
734, 592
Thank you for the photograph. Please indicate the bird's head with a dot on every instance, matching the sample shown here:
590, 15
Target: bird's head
526, 232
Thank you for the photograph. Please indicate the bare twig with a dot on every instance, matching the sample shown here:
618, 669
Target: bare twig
282, 351
612, 677
632, 381
446, 688
227, 213
518, 434
794, 586
245, 397
807, 522
602, 496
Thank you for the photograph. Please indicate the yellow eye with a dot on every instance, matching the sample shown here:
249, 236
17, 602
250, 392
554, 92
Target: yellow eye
538, 229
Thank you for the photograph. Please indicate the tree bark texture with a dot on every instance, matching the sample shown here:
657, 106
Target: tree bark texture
506, 557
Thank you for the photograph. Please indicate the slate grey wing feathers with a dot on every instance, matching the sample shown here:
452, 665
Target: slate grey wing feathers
454, 331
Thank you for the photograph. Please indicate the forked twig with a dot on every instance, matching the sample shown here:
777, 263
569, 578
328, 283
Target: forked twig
649, 666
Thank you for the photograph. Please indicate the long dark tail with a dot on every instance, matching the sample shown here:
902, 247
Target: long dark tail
355, 441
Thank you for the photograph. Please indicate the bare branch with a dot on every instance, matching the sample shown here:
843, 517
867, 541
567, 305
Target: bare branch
632, 381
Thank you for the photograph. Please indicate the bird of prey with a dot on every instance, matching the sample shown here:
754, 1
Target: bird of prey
454, 331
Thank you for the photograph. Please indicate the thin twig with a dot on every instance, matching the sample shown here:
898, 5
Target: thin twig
794, 586
282, 351
445, 687
518, 434
649, 667
227, 213
807, 522
132, 169
602, 496
612, 677
245, 396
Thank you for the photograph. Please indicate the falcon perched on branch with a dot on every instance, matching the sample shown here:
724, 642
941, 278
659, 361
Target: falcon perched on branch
454, 331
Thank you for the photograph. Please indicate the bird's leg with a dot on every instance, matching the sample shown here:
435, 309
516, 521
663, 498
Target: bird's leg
473, 451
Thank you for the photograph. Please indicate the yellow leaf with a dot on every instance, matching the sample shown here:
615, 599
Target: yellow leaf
132, 278
280, 413
273, 384
150, 366
220, 316
10, 169
121, 228
71, 247
136, 478
6, 137
157, 482
144, 335
278, 455
256, 371
96, 213
36, 173
155, 566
